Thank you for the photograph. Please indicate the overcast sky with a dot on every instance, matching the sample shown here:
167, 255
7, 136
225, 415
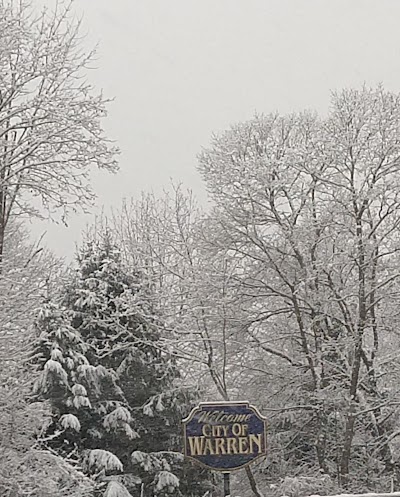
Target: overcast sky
182, 69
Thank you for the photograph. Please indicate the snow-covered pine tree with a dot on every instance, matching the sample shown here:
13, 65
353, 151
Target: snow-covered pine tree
112, 382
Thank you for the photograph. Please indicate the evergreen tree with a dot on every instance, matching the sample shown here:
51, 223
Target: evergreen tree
112, 382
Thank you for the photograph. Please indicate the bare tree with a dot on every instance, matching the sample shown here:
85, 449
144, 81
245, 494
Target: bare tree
312, 207
50, 116
287, 292
168, 237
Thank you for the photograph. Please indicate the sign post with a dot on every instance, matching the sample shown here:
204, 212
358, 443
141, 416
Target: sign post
225, 436
227, 484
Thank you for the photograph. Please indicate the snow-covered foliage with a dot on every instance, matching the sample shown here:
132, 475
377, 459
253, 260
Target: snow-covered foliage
166, 482
50, 135
70, 421
106, 372
27, 469
26, 274
115, 489
160, 461
98, 460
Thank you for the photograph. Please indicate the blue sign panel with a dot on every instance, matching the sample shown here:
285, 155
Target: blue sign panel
225, 436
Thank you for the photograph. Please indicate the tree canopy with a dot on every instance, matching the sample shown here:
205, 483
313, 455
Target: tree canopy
112, 383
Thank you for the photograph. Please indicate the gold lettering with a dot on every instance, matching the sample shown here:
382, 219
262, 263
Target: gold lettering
243, 445
220, 446
220, 416
206, 430
232, 445
196, 445
217, 431
202, 416
208, 447
226, 429
236, 429
257, 440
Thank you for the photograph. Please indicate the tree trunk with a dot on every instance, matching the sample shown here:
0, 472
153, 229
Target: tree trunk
253, 483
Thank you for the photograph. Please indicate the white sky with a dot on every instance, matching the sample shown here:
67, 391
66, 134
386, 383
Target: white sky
181, 69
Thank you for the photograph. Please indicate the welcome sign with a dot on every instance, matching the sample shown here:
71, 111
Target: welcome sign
225, 436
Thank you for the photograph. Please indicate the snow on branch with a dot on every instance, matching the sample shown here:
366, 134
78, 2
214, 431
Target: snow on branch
98, 460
